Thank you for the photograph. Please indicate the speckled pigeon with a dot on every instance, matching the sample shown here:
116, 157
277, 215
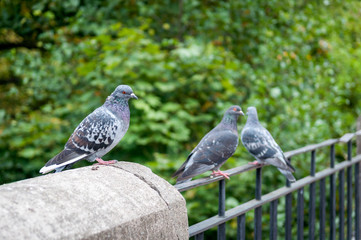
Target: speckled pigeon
97, 134
263, 147
213, 150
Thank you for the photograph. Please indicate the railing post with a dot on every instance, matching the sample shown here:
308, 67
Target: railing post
341, 190
241, 227
258, 211
358, 138
300, 214
199, 236
312, 207
288, 223
349, 191
358, 184
273, 220
222, 209
332, 196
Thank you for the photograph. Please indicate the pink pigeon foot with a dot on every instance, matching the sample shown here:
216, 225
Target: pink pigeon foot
255, 163
220, 173
102, 162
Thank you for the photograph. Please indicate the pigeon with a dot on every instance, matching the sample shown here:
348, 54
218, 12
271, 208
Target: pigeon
260, 144
213, 150
97, 134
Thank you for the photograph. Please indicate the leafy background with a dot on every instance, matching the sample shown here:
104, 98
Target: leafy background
298, 62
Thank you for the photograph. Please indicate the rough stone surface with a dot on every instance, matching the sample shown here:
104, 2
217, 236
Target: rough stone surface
122, 201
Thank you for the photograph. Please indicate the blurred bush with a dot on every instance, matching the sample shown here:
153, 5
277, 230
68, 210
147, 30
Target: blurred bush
187, 61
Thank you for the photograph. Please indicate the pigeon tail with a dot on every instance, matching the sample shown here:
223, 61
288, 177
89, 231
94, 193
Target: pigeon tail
66, 167
287, 174
183, 181
61, 161
180, 170
59, 169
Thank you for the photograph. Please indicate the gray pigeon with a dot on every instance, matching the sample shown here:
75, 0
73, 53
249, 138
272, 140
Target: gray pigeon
263, 147
97, 134
213, 150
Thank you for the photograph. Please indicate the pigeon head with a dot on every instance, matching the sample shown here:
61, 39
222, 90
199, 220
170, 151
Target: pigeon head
252, 114
232, 114
123, 92
234, 111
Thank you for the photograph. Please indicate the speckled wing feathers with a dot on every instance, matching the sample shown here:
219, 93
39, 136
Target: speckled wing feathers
211, 152
260, 143
96, 132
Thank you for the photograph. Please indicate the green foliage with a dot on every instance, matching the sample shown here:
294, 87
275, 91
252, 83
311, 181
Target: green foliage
187, 61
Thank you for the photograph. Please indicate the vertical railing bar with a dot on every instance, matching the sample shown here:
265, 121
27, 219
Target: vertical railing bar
349, 191
199, 236
288, 223
349, 150
273, 220
222, 198
322, 208
357, 184
258, 183
341, 189
313, 163
332, 155
258, 211
241, 227
258, 223
357, 202
300, 214
311, 220
221, 233
332, 196
288, 183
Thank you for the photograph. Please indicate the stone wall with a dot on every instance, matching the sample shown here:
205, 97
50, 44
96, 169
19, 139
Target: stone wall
122, 201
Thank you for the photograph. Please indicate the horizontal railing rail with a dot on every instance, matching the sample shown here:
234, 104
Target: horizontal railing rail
197, 230
267, 198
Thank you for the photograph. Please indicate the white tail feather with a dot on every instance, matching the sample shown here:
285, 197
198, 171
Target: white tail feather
50, 168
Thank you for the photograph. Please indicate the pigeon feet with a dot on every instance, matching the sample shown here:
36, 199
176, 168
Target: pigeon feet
220, 173
256, 163
102, 162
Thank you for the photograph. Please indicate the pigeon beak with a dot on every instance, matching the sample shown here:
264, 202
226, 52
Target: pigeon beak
241, 113
132, 95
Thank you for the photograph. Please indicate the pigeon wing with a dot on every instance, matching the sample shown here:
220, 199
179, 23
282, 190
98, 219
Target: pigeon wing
213, 150
260, 143
95, 133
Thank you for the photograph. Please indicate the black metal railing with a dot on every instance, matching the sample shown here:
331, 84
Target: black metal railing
239, 212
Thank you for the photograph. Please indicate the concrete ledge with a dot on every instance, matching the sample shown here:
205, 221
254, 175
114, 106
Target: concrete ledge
122, 201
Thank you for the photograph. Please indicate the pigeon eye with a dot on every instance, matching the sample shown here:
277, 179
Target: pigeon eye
234, 109
123, 92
